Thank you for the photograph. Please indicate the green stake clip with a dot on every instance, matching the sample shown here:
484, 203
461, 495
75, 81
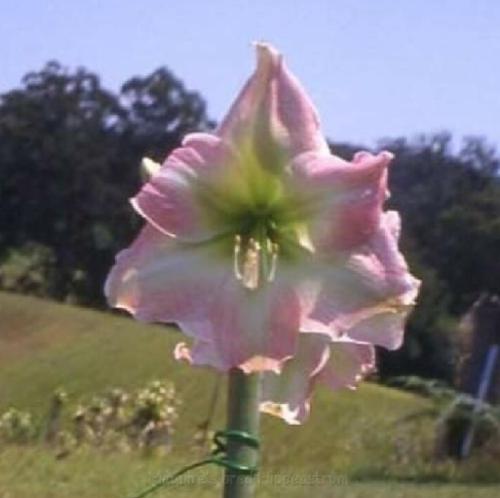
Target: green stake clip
241, 437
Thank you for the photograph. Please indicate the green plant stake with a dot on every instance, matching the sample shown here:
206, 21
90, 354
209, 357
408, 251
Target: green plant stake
242, 418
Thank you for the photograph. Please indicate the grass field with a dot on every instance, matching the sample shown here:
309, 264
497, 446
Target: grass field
34, 474
356, 444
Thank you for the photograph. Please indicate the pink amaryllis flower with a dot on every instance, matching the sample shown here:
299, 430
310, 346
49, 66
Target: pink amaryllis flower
271, 253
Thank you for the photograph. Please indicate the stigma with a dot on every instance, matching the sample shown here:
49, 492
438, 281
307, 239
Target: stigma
254, 262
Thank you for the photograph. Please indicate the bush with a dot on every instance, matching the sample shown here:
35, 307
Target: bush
29, 269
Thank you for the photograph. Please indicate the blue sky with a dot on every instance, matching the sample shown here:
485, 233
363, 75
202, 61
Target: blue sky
375, 68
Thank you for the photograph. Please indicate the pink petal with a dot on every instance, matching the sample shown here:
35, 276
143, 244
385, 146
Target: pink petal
336, 364
385, 328
205, 353
255, 330
202, 353
159, 280
347, 365
343, 200
274, 109
369, 288
172, 200
287, 395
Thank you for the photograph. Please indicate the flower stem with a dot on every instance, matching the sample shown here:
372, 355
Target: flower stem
242, 415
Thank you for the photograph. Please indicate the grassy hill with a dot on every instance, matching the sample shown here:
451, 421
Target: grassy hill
367, 434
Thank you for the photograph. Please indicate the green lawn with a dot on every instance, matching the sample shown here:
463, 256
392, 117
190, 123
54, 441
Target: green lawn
356, 444
32, 473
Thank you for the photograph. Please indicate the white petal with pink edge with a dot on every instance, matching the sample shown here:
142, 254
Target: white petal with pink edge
339, 294
161, 280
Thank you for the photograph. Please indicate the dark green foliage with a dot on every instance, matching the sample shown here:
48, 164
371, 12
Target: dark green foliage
456, 414
30, 269
451, 209
430, 388
69, 157
461, 416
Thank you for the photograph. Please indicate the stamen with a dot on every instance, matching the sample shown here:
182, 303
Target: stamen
304, 238
252, 262
236, 257
251, 265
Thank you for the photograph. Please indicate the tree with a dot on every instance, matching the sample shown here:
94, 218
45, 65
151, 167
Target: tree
69, 158
160, 111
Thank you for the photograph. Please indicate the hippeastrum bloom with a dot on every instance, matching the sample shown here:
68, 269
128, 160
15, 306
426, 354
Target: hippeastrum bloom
271, 253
